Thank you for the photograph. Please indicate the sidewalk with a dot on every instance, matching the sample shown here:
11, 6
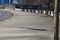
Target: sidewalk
24, 34
24, 25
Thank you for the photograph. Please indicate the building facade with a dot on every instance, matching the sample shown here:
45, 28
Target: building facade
7, 2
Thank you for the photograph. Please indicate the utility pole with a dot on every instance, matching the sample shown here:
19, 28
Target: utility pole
56, 20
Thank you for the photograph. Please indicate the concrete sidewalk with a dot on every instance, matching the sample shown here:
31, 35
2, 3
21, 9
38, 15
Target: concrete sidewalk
24, 34
24, 25
25, 19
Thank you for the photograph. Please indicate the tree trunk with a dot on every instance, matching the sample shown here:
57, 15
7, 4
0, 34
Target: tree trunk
56, 20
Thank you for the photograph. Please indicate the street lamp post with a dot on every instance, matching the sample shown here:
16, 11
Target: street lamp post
56, 20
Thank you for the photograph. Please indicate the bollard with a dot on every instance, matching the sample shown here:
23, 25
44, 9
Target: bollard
36, 11
51, 13
44, 12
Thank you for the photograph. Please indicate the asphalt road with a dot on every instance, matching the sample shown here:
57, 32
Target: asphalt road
4, 15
